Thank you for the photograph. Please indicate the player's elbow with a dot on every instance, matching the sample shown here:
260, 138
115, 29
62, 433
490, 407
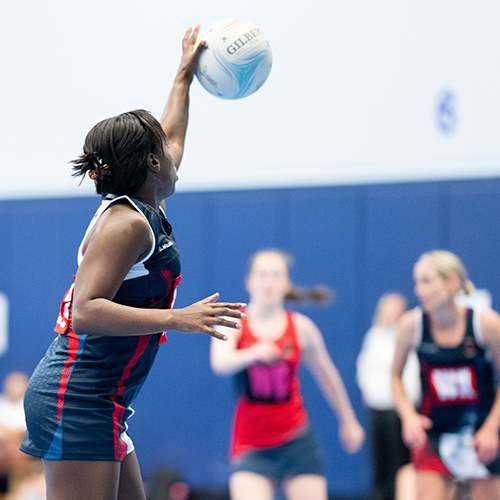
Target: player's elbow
78, 322
82, 322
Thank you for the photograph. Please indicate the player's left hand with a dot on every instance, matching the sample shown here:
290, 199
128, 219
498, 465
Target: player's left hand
487, 443
352, 436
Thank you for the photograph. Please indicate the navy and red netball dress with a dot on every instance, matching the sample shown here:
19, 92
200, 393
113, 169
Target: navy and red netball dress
458, 392
79, 396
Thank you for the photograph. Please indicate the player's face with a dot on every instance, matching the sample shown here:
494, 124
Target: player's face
393, 308
268, 280
432, 289
168, 172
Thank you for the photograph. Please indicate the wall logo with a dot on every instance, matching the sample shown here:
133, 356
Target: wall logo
446, 112
4, 323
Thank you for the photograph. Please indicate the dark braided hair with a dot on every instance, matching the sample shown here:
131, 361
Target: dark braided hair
116, 149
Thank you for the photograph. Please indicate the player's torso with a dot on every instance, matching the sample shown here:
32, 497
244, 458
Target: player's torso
151, 282
271, 382
457, 382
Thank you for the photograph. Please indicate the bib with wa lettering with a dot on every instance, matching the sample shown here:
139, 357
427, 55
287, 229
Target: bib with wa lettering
457, 382
453, 385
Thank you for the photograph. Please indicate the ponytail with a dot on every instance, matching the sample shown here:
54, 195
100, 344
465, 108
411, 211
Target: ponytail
319, 294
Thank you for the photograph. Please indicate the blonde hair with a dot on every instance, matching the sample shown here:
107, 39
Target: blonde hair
448, 264
317, 293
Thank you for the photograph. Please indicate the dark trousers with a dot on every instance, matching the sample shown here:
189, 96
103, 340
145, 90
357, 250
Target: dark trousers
389, 452
4, 484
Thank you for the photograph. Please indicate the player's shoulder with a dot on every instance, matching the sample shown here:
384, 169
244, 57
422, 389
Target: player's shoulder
120, 224
490, 324
302, 322
124, 215
309, 335
488, 315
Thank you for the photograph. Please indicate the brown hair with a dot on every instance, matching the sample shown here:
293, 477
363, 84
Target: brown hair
319, 293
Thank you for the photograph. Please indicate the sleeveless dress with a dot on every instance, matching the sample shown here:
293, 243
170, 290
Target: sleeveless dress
79, 397
458, 391
271, 434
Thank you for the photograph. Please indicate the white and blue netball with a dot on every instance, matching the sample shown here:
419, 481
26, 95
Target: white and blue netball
237, 60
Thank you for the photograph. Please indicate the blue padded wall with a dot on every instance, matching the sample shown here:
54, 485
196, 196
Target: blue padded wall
360, 240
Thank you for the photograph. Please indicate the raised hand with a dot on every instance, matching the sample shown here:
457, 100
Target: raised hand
191, 52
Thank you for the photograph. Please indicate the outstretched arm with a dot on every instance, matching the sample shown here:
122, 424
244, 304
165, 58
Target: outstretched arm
120, 239
318, 361
174, 120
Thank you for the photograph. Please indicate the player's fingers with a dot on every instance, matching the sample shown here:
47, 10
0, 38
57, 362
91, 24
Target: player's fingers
485, 456
195, 33
220, 321
217, 335
352, 445
187, 35
427, 422
210, 299
491, 454
231, 312
201, 47
356, 445
230, 305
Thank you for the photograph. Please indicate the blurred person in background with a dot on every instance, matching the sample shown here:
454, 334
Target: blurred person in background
456, 434
13, 463
392, 470
272, 441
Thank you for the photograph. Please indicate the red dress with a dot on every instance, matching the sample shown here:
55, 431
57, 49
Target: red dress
269, 410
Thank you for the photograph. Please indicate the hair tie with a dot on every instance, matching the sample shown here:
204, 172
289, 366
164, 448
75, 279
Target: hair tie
101, 170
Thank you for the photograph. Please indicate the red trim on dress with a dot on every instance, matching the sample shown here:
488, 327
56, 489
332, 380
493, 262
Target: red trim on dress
63, 325
163, 336
120, 446
73, 345
425, 460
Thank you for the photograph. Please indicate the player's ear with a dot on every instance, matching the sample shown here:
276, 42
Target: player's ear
153, 162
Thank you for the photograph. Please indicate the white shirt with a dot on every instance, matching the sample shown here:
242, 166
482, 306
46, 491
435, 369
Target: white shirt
374, 365
12, 414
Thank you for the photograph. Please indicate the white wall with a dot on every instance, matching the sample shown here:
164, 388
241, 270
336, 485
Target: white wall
352, 96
